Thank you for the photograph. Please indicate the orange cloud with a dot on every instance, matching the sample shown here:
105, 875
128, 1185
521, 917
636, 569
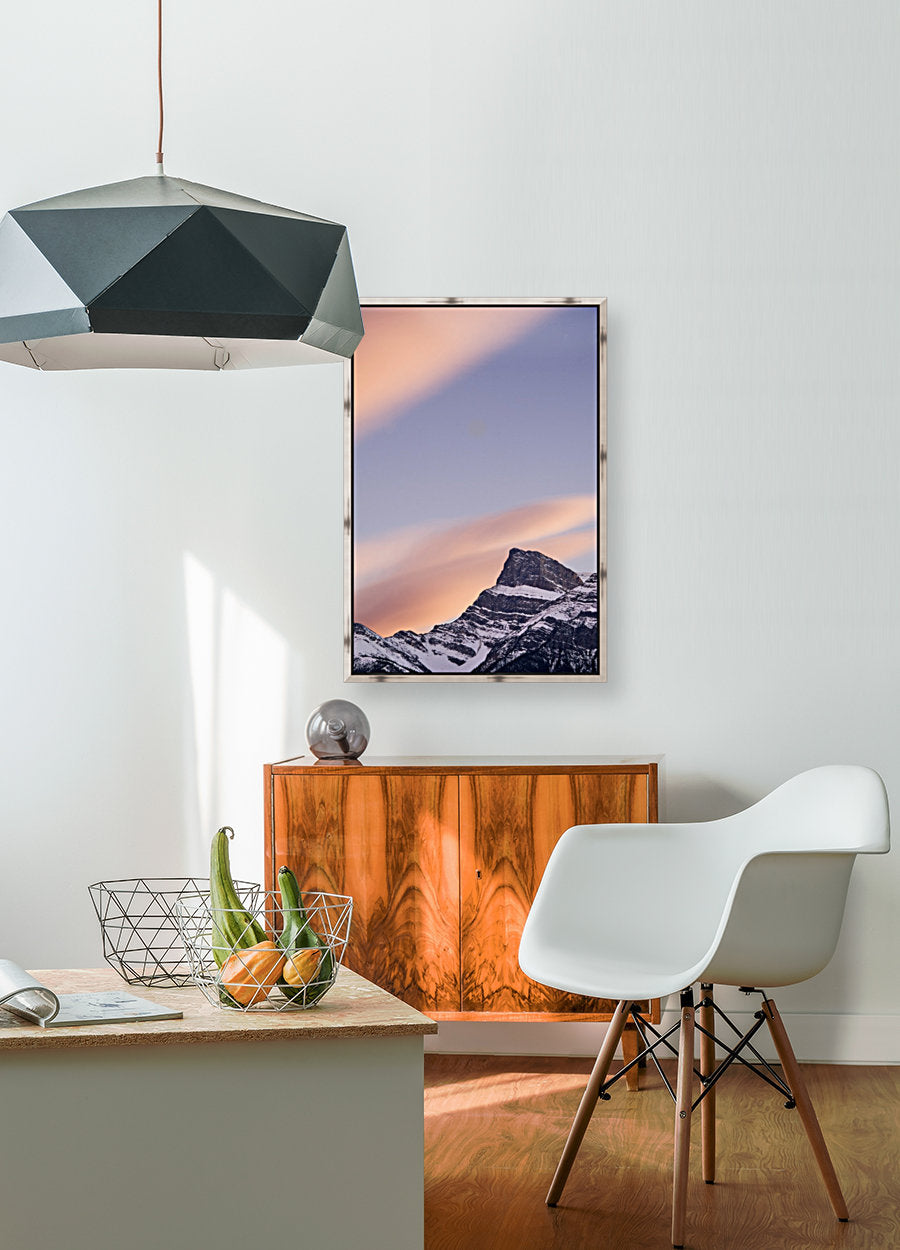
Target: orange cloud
422, 575
408, 353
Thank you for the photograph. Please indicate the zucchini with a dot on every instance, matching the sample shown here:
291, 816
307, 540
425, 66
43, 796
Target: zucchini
233, 927
298, 935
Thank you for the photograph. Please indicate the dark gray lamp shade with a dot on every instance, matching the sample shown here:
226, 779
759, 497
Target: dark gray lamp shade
161, 273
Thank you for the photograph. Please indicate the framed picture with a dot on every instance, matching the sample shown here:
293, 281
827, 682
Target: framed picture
475, 522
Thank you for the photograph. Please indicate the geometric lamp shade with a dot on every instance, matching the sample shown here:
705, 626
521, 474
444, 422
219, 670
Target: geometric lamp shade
157, 272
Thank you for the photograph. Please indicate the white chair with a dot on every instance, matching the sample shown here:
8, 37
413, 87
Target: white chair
753, 900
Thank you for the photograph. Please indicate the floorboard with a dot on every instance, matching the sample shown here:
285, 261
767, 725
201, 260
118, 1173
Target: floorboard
494, 1127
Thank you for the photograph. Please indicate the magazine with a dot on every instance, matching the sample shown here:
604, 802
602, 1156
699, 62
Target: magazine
29, 1002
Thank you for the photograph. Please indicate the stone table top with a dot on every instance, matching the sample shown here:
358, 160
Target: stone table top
353, 1007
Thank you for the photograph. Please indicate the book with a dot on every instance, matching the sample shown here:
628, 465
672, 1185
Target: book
29, 1002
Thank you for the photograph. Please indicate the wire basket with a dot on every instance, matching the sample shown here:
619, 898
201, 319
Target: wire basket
140, 930
236, 959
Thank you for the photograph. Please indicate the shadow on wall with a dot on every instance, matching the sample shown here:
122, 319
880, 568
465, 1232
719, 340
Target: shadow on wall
695, 797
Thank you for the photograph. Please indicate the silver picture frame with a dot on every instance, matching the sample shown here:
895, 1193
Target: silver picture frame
376, 483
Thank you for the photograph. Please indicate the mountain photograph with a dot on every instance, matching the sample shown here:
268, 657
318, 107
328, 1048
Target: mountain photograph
475, 535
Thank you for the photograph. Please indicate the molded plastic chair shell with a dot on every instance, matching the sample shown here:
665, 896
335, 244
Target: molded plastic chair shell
757, 899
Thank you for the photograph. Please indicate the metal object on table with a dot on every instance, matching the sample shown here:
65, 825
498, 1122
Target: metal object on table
139, 928
246, 974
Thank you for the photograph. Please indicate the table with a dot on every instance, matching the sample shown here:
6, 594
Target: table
222, 1129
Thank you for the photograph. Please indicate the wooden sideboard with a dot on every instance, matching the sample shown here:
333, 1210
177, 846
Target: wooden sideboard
442, 857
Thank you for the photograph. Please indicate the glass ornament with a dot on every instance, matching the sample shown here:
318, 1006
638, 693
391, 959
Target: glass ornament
337, 730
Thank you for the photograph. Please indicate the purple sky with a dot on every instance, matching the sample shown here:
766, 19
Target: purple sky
515, 428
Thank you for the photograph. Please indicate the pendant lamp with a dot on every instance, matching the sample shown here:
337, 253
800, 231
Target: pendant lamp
162, 273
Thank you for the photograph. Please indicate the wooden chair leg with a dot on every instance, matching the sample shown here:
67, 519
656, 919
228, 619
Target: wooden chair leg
630, 1046
791, 1068
588, 1102
707, 1019
683, 1100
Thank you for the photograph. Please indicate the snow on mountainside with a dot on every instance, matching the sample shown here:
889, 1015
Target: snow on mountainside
538, 617
560, 639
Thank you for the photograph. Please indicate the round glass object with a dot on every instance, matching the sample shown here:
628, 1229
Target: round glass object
337, 730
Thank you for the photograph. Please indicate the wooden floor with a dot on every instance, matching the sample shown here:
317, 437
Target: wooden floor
494, 1127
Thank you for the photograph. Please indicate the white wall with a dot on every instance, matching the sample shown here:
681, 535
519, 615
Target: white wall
171, 566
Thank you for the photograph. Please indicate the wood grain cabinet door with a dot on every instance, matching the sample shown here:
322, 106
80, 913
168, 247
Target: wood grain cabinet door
392, 842
509, 824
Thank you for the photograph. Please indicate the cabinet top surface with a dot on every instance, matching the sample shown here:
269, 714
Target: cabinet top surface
472, 763
353, 1008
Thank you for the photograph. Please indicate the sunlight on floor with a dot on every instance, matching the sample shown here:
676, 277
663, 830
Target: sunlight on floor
504, 1088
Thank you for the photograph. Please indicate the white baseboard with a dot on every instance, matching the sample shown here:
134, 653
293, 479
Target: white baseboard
815, 1038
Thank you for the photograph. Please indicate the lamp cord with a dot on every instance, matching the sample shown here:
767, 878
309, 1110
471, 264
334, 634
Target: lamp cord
159, 83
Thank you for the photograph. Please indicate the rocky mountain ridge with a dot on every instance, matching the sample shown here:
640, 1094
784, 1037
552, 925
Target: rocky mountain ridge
539, 617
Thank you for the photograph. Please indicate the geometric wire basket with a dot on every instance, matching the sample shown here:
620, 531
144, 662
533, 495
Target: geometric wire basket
140, 931
244, 975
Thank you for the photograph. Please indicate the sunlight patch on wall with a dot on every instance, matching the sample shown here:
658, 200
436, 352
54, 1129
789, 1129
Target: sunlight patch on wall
239, 691
200, 603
